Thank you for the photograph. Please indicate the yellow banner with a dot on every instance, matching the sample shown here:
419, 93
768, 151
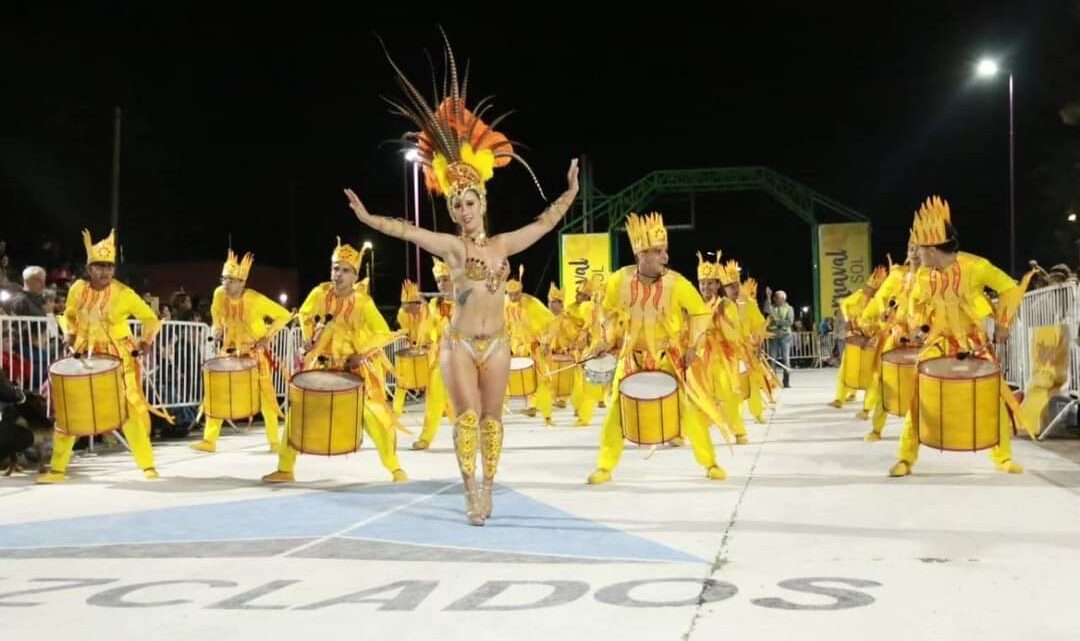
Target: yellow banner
843, 262
582, 256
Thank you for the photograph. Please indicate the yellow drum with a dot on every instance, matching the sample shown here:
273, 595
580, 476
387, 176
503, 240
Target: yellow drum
326, 412
412, 369
858, 362
231, 387
898, 379
88, 395
522, 377
649, 406
562, 381
959, 403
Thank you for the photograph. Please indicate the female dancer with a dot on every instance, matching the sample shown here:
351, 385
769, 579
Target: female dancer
459, 153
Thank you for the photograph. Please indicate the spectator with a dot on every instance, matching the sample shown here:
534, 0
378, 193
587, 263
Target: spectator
5, 271
781, 317
31, 300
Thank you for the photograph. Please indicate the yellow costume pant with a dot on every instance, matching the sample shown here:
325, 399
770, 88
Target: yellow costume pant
694, 425
585, 397
875, 400
725, 380
757, 388
136, 428
909, 440
436, 404
384, 437
268, 405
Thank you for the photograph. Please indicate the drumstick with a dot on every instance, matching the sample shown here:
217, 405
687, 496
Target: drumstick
573, 365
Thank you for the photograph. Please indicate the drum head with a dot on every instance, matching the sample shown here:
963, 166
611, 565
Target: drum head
230, 364
72, 366
326, 380
605, 363
648, 385
956, 368
857, 340
901, 356
520, 363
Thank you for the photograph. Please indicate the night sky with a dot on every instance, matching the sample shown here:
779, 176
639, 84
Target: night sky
250, 122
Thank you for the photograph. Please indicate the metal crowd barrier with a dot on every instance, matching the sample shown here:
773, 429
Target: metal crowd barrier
805, 347
172, 370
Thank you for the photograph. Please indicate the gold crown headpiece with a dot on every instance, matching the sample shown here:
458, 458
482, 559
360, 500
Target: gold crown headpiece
238, 269
104, 251
932, 222
877, 277
514, 286
749, 288
646, 232
554, 293
410, 292
729, 273
347, 254
708, 270
439, 269
456, 148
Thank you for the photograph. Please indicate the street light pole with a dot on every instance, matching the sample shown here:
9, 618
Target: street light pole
988, 68
1012, 183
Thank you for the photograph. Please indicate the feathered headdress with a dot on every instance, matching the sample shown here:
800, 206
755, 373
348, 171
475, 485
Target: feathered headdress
554, 293
456, 148
877, 277
932, 222
238, 269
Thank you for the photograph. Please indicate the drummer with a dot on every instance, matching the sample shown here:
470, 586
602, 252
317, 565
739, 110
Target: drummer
949, 294
586, 395
244, 323
887, 316
412, 320
760, 375
437, 399
95, 321
557, 341
652, 300
526, 317
334, 321
725, 340
852, 308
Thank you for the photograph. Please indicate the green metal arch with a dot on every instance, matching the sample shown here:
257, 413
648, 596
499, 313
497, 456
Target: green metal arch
608, 212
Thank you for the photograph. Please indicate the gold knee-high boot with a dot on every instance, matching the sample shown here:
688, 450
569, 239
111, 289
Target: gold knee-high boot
466, 441
491, 439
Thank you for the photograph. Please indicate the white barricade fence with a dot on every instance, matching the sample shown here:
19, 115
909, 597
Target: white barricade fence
1053, 305
805, 346
172, 369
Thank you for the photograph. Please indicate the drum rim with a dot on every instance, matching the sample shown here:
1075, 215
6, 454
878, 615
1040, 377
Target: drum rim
885, 355
413, 351
119, 364
957, 378
532, 363
595, 361
254, 362
359, 381
649, 371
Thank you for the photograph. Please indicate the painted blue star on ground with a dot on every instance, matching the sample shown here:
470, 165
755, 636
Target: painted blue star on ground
420, 517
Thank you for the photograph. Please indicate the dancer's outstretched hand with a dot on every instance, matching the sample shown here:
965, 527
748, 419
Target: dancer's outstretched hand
571, 176
356, 205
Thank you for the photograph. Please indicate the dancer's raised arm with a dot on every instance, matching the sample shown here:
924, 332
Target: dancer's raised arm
522, 238
442, 245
